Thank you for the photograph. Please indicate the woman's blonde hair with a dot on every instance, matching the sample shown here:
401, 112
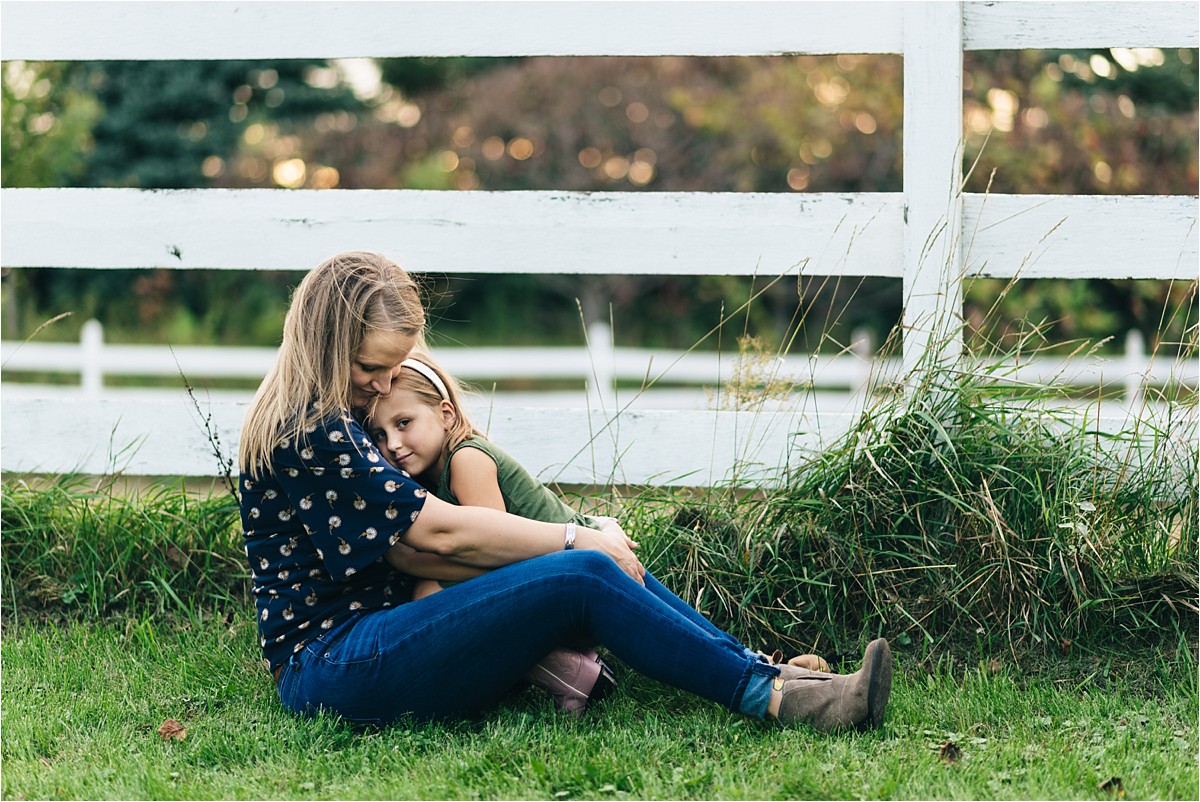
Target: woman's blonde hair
413, 380
330, 314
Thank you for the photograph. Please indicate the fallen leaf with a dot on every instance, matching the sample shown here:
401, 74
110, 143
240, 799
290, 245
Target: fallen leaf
172, 729
46, 761
176, 557
995, 666
1064, 645
1113, 787
950, 752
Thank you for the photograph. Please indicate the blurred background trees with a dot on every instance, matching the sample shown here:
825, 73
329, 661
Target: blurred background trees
1119, 121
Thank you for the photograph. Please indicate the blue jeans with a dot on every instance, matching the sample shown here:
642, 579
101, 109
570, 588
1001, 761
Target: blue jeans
459, 650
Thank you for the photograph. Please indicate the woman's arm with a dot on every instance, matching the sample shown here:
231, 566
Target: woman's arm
485, 538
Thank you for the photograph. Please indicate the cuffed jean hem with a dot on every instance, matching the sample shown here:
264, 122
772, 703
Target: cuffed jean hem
756, 689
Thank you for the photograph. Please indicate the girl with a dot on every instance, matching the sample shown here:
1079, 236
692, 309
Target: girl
323, 513
422, 428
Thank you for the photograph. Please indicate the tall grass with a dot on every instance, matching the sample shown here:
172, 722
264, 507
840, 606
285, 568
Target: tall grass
73, 545
963, 506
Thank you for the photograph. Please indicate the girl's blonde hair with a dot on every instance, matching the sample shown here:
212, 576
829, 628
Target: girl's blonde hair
330, 314
412, 380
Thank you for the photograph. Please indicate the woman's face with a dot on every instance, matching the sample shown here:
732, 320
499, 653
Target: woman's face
377, 363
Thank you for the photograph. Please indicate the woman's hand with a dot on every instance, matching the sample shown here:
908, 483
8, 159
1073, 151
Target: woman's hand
610, 526
617, 546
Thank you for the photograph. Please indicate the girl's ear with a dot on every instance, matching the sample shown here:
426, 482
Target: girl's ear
449, 415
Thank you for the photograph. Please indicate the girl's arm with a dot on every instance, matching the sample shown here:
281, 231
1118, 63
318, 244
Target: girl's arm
475, 483
474, 479
485, 538
430, 566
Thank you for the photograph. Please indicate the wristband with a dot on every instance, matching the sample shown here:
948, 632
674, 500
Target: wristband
570, 538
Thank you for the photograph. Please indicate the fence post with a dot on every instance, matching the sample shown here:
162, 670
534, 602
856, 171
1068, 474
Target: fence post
91, 371
602, 360
863, 347
933, 129
1134, 364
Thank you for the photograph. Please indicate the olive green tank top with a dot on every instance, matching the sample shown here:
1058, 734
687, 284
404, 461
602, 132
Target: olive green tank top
523, 494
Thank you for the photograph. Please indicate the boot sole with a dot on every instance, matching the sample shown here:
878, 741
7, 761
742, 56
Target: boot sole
606, 683
879, 683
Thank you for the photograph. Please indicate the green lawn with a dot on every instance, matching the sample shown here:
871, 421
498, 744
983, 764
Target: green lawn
82, 704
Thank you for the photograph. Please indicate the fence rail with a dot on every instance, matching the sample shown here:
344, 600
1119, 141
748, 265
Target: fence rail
1005, 236
230, 30
931, 235
599, 364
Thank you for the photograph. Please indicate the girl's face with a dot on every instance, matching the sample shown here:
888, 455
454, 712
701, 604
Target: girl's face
410, 433
377, 364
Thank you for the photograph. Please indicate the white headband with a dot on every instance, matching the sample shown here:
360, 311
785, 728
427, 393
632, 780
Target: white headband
428, 373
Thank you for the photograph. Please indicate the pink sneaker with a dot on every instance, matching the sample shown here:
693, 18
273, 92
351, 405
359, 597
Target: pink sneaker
573, 678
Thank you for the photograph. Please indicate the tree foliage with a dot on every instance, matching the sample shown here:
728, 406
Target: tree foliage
1105, 121
47, 127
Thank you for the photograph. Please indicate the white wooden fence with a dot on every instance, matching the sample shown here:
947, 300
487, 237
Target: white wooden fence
603, 376
931, 234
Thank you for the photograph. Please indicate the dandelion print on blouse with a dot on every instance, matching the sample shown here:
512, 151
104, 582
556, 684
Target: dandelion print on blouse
317, 525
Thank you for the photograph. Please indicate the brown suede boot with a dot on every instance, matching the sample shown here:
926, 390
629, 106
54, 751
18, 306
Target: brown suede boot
831, 702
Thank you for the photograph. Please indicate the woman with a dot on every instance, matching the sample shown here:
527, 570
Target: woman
327, 520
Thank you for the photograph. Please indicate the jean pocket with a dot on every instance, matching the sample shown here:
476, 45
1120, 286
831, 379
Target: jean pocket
348, 649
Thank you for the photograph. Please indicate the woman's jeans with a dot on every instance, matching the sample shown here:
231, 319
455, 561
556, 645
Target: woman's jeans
462, 649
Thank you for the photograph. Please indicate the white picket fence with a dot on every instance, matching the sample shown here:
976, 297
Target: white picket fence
604, 376
932, 235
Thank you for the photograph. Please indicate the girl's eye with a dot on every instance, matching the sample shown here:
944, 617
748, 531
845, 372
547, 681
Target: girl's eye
403, 422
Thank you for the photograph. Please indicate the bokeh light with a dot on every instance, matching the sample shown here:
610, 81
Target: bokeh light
797, 177
641, 173
289, 173
609, 96
493, 148
520, 148
590, 158
325, 178
616, 167
212, 167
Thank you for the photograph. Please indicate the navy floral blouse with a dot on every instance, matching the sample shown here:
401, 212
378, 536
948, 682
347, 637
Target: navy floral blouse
317, 525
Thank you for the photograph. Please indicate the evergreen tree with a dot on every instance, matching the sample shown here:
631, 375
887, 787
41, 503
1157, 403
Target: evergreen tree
163, 119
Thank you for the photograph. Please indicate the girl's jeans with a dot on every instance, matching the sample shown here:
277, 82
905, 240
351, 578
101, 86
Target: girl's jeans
459, 650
